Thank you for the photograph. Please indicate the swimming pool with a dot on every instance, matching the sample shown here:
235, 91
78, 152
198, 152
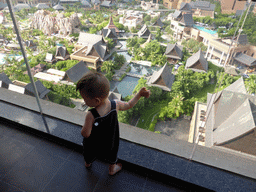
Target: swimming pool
126, 86
205, 30
3, 55
142, 69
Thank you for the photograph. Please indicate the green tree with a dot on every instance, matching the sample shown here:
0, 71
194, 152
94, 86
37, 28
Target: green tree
119, 60
108, 66
110, 43
159, 34
153, 20
147, 18
250, 84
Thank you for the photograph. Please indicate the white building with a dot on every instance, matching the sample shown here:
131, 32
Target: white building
153, 14
131, 18
149, 5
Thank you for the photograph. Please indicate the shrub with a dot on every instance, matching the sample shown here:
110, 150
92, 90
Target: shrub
128, 69
121, 78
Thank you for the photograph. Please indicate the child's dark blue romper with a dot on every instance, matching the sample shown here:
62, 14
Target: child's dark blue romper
103, 142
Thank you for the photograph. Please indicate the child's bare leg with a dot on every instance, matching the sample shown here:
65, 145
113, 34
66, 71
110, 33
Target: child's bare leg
114, 168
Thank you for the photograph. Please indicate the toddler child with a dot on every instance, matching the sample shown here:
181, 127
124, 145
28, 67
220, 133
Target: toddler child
101, 129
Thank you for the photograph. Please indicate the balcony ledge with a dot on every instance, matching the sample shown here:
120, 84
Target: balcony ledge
208, 167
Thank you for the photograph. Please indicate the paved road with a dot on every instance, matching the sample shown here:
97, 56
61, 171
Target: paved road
175, 128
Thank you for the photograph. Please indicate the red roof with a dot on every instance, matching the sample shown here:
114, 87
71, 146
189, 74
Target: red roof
111, 25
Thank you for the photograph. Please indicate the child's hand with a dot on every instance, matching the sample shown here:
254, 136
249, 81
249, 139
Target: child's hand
144, 92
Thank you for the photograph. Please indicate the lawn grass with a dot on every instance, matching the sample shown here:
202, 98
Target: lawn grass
201, 95
148, 114
214, 67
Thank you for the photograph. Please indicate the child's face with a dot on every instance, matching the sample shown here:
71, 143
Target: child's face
90, 102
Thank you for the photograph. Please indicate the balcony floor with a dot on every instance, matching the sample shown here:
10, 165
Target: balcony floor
29, 162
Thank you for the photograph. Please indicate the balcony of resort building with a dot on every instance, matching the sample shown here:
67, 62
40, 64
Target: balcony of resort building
41, 148
43, 152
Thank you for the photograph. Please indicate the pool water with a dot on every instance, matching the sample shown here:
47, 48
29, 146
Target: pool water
3, 55
142, 69
205, 30
126, 86
123, 44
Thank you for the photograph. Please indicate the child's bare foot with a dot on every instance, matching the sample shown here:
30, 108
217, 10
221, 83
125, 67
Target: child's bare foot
88, 165
113, 169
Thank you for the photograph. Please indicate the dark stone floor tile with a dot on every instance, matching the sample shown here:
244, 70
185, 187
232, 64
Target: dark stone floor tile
20, 133
154, 186
75, 177
130, 174
11, 151
137, 154
48, 147
76, 156
112, 184
97, 165
34, 171
5, 187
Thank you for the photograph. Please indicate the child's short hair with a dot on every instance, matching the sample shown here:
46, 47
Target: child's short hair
94, 84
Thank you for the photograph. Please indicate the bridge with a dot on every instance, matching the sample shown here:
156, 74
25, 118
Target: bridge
134, 75
121, 50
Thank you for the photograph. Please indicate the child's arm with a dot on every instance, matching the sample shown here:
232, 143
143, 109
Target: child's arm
122, 106
87, 128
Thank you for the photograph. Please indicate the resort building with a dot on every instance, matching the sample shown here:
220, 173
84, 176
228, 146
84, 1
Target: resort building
112, 26
222, 50
174, 4
109, 33
38, 68
197, 62
173, 53
148, 40
231, 120
144, 32
158, 23
231, 70
42, 6
231, 6
162, 78
219, 50
75, 73
30, 44
107, 4
131, 18
4, 81
23, 88
62, 53
58, 7
49, 58
41, 89
90, 48
149, 5
68, 2
176, 16
198, 8
153, 14
182, 28
114, 95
